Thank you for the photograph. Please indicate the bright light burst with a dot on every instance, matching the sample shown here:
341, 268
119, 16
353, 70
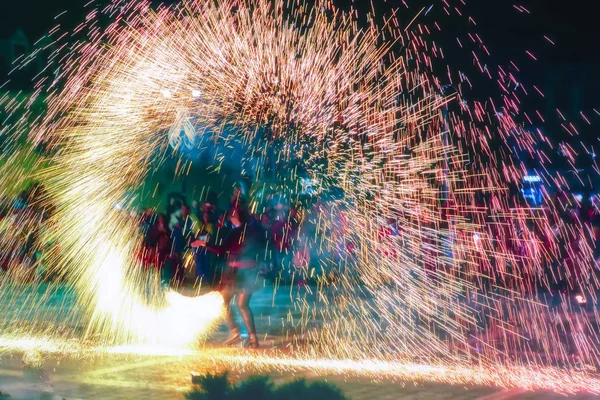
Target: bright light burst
455, 284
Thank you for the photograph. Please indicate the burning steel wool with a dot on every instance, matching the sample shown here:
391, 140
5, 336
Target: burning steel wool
444, 257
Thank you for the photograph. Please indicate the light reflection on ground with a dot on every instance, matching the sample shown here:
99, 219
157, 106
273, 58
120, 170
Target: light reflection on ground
179, 363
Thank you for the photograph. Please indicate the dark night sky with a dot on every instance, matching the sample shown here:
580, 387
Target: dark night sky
508, 33
571, 24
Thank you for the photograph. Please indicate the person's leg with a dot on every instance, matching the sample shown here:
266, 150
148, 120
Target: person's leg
228, 294
178, 271
166, 268
243, 302
209, 270
278, 262
199, 265
234, 331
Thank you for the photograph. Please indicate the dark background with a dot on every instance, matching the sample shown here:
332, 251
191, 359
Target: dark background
571, 64
573, 25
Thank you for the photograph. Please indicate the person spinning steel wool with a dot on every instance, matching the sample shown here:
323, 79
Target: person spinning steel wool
242, 247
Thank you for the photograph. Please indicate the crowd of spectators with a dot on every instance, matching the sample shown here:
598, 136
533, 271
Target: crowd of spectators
26, 242
168, 237
231, 248
25, 239
290, 241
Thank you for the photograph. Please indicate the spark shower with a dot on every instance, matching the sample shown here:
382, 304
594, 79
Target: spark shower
361, 102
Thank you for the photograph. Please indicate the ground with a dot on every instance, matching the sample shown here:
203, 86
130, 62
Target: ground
169, 377
31, 375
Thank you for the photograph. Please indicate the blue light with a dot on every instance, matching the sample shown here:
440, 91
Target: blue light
532, 178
